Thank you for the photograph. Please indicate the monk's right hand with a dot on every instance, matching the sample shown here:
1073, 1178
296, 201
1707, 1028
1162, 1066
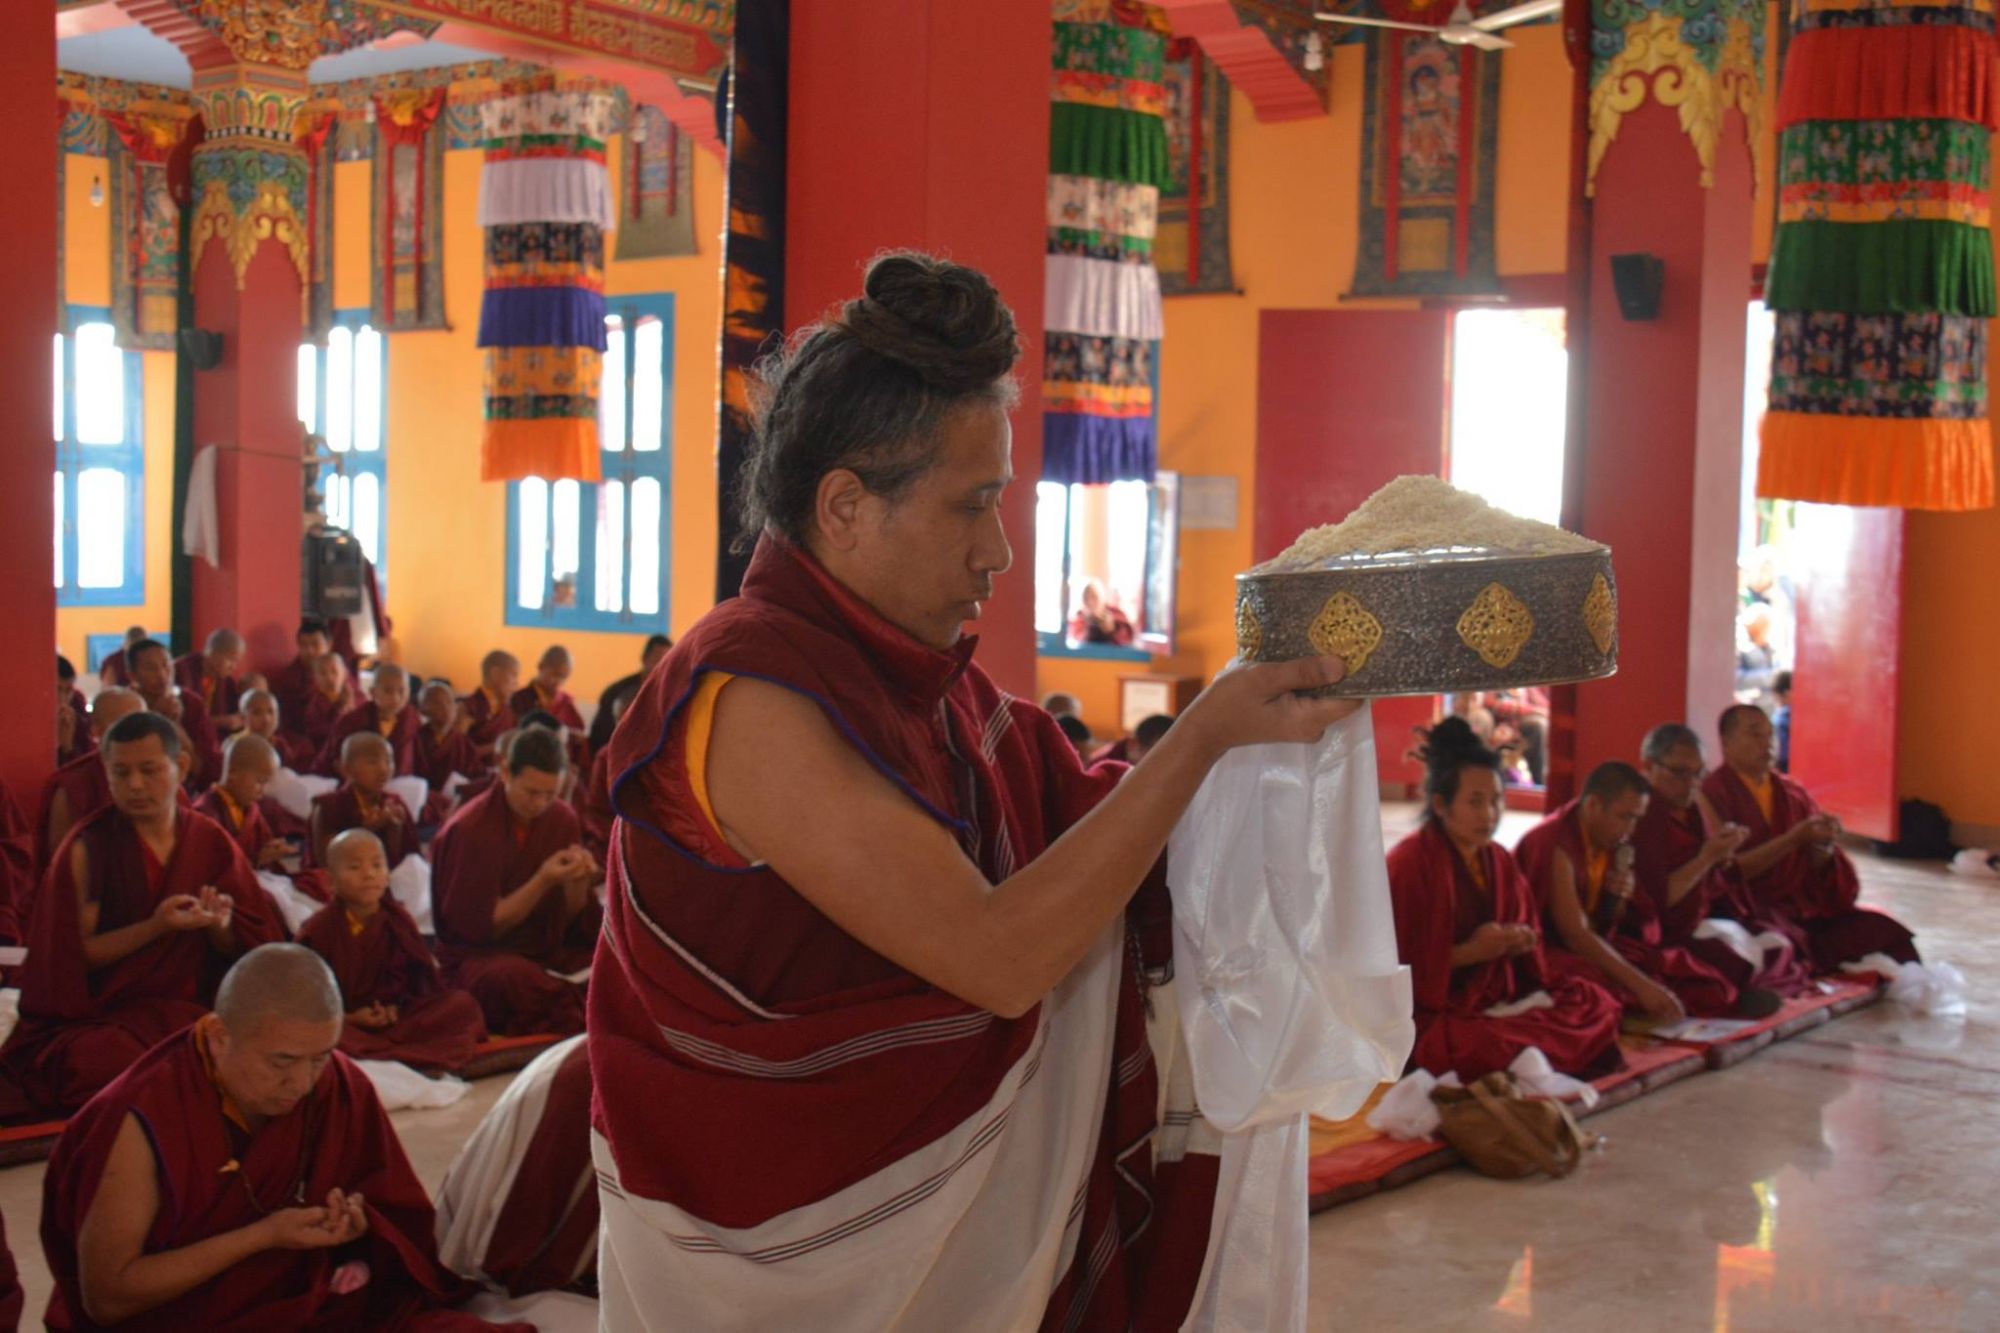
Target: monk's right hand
181, 911
1261, 704
1725, 843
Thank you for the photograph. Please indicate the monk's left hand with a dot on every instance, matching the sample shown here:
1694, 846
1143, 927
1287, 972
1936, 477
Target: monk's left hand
346, 1217
217, 906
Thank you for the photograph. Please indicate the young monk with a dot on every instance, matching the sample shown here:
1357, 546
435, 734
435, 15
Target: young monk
397, 1005
1579, 861
79, 789
332, 698
1791, 860
387, 713
115, 669
364, 801
153, 677
261, 717
487, 713
73, 735
1465, 925
144, 901
1684, 860
237, 801
441, 751
242, 1175
546, 693
292, 683
513, 897
211, 676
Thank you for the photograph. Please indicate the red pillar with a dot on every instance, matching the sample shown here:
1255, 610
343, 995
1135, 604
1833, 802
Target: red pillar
890, 148
1665, 426
27, 323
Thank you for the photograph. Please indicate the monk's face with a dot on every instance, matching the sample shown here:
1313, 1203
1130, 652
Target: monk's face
329, 673
247, 779
502, 681
1677, 777
531, 792
1752, 744
1472, 816
269, 1069
360, 875
553, 675
1611, 823
152, 673
143, 778
261, 717
391, 693
926, 559
369, 768
313, 646
225, 664
438, 708
651, 657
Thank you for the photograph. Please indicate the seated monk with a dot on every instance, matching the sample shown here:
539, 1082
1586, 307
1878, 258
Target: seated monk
512, 893
1465, 925
1579, 861
211, 676
364, 801
441, 751
114, 669
387, 713
1684, 864
618, 695
292, 683
332, 698
242, 1174
17, 866
263, 716
237, 801
518, 1208
79, 789
1791, 860
73, 734
144, 903
545, 693
153, 678
487, 713
397, 1006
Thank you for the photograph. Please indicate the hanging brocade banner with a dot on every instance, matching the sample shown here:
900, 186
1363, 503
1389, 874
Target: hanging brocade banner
1881, 277
545, 201
406, 242
146, 225
1108, 162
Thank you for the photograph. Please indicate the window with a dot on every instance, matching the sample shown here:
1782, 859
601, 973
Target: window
1509, 408
100, 476
341, 397
1105, 560
586, 555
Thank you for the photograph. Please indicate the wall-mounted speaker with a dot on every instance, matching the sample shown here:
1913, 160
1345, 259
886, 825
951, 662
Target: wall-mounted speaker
1638, 280
203, 347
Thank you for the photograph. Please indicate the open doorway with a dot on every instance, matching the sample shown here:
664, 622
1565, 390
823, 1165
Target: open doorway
1766, 558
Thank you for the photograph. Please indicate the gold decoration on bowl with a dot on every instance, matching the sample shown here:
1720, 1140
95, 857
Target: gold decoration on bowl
1496, 626
1600, 614
1346, 630
1249, 632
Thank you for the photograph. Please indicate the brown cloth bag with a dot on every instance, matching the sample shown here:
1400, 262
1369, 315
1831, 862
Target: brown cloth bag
1504, 1134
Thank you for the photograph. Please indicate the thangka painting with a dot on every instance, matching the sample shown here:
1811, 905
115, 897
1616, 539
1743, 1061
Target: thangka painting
146, 255
1191, 246
656, 194
321, 142
1429, 139
406, 289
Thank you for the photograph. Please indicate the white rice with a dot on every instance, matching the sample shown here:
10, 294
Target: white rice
1419, 516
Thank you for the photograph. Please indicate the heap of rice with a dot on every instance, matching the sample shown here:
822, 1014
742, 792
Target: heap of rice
1424, 516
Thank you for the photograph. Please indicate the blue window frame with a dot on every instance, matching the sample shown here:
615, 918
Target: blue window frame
100, 474
343, 396
594, 556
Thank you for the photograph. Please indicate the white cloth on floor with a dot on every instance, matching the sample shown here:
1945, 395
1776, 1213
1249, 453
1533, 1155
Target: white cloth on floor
1978, 862
1292, 999
1526, 1004
1406, 1111
10, 1012
410, 883
1935, 989
401, 1088
1538, 1078
201, 523
1736, 937
547, 1311
294, 904
295, 791
412, 790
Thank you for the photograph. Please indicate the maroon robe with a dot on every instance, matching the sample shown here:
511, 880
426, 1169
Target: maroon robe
593, 807
80, 1028
564, 710
86, 789
1819, 893
1637, 935
83, 740
13, 1301
1666, 840
17, 866
714, 953
402, 737
202, 740
252, 829
291, 685
490, 721
436, 761
217, 1177
294, 750
341, 809
481, 855
318, 716
217, 694
1438, 905
112, 671
387, 962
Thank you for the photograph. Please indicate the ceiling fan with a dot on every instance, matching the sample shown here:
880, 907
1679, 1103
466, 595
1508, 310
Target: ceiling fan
1461, 29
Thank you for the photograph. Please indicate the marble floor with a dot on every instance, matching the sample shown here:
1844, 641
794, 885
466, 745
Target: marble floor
1842, 1180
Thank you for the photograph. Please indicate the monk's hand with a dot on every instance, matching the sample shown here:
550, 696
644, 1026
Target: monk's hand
368, 1018
1723, 845
347, 1215
1492, 940
1662, 1005
1262, 703
217, 907
304, 1229
180, 911
564, 865
1521, 939
273, 853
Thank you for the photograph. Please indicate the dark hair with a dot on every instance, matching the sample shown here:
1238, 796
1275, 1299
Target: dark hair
1611, 780
65, 669
1451, 747
1664, 739
536, 748
1781, 683
1151, 731
135, 651
311, 625
538, 717
867, 388
1075, 728
1734, 716
656, 641
136, 727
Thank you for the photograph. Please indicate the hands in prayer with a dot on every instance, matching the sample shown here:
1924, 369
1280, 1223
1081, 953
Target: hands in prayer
342, 1219
375, 1017
1724, 843
1494, 940
187, 911
1818, 832
572, 865
273, 853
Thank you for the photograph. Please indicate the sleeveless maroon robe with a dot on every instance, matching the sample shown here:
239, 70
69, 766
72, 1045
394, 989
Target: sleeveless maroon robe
80, 1028
402, 737
340, 810
480, 857
338, 1138
1638, 935
1438, 905
1819, 894
999, 774
387, 962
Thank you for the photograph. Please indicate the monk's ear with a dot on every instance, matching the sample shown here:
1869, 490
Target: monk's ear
837, 508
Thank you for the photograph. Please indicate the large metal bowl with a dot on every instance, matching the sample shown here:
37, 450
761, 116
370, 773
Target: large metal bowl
1439, 623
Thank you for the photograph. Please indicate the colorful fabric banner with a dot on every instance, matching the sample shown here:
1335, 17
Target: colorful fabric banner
1108, 161
1191, 247
317, 137
146, 230
1881, 271
656, 197
545, 201
407, 242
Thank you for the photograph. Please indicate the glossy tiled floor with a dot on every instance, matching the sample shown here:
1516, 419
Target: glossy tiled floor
1843, 1180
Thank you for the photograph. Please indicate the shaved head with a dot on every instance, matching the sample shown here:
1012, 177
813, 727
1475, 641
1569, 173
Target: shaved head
246, 749
348, 843
114, 704
284, 982
498, 660
366, 742
557, 655
387, 671
250, 697
224, 643
438, 687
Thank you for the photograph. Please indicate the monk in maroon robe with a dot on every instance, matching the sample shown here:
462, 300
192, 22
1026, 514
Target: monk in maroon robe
239, 805
1579, 862
73, 734
114, 669
397, 1006
242, 1176
17, 866
211, 676
486, 714
261, 717
1791, 860
292, 684
364, 801
441, 751
79, 789
512, 890
387, 714
1466, 927
145, 904
153, 678
545, 693
332, 699
1684, 867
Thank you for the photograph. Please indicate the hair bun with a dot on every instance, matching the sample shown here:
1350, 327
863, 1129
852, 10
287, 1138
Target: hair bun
1452, 741
942, 320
